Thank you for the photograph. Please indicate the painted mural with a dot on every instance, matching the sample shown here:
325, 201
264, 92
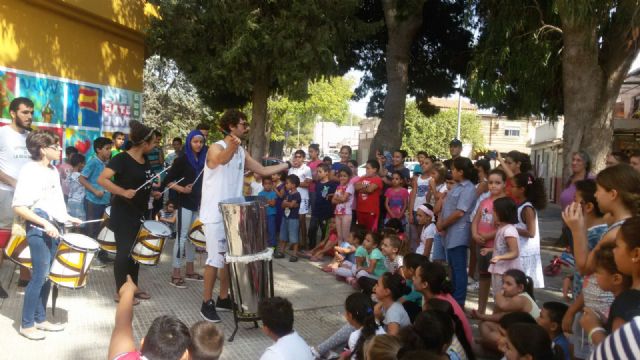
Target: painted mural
78, 112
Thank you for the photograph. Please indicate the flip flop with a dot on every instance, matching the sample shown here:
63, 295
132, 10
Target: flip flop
194, 277
143, 295
135, 301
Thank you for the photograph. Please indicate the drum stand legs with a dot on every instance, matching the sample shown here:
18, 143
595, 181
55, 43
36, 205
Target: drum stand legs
237, 318
54, 298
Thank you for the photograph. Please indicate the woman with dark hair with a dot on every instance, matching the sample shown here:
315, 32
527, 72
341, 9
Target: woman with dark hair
580, 170
131, 187
513, 164
38, 200
454, 219
183, 177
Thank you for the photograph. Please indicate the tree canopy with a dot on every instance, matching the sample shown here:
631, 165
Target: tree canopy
433, 133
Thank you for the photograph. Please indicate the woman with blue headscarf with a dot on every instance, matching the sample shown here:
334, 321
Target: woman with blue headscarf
185, 178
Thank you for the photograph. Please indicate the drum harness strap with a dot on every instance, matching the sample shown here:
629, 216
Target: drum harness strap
266, 254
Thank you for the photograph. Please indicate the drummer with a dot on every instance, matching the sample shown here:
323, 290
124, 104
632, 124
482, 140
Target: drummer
226, 162
188, 166
39, 201
129, 170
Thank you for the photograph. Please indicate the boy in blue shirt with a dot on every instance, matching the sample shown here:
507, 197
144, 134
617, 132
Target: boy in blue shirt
96, 198
322, 210
550, 319
270, 196
290, 227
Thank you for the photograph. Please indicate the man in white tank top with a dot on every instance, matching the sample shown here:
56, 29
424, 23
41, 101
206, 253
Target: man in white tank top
222, 179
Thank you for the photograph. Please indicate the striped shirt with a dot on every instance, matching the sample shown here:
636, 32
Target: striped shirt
622, 344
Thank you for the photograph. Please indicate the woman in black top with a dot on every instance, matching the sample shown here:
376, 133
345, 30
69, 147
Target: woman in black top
188, 167
129, 170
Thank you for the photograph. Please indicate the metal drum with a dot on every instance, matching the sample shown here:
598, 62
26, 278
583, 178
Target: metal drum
17, 250
196, 235
106, 238
245, 224
72, 262
150, 242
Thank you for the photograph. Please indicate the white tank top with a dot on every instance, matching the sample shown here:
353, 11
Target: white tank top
221, 183
422, 189
528, 246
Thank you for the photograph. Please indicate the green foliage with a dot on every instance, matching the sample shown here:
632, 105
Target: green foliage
328, 100
433, 134
225, 46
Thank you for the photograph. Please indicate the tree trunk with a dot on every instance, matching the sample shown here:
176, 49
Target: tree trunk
401, 34
591, 80
258, 136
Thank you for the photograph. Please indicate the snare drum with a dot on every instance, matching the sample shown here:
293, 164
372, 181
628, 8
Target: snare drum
70, 266
196, 234
149, 242
17, 250
106, 238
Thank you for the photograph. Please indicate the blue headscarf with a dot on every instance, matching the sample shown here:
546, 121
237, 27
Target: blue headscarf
197, 163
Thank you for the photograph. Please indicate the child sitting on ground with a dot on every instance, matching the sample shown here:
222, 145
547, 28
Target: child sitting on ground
326, 246
392, 261
550, 319
359, 314
167, 215
277, 323
412, 302
206, 341
345, 252
516, 295
374, 266
433, 331
529, 341
167, 336
389, 288
348, 270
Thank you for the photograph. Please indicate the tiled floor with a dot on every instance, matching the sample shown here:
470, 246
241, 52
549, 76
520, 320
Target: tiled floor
317, 299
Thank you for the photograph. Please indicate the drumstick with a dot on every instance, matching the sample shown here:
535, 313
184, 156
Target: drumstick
198, 177
84, 222
174, 184
43, 230
150, 180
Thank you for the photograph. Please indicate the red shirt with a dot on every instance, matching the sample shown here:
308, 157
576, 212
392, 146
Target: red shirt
370, 202
313, 165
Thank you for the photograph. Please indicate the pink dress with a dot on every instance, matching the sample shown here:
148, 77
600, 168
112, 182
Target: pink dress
502, 248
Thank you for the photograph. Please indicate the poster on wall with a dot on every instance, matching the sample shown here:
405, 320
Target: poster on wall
7, 92
47, 96
81, 139
84, 106
118, 108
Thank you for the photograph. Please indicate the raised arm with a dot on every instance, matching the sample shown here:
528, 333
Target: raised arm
122, 336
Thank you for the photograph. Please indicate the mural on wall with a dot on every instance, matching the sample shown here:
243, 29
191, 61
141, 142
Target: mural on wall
84, 106
7, 91
77, 112
47, 96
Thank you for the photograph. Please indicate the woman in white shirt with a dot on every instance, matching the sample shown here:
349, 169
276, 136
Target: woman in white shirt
39, 201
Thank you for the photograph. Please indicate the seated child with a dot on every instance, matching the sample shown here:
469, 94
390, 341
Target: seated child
167, 336
432, 331
359, 314
277, 323
206, 341
529, 341
382, 347
516, 295
388, 290
412, 302
550, 319
167, 215
374, 266
503, 326
392, 262
347, 269
326, 246
460, 347
345, 252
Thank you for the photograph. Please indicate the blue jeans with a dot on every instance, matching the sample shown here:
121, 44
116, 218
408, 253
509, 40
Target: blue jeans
271, 229
93, 211
290, 230
43, 249
457, 258
438, 252
183, 246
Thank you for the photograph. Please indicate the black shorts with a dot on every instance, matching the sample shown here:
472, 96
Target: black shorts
484, 262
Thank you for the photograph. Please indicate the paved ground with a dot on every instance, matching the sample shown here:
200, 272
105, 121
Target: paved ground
318, 300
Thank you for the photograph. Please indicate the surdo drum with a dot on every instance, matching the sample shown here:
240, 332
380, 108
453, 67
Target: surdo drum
149, 242
71, 263
106, 238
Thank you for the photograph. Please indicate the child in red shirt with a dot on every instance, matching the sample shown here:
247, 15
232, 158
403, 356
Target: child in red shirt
368, 189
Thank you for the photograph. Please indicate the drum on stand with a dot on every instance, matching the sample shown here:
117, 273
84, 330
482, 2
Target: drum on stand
106, 238
72, 261
149, 242
196, 235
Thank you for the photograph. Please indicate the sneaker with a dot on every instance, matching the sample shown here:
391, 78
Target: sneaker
293, 259
98, 263
3, 293
225, 304
32, 333
208, 312
104, 257
315, 353
47, 326
23, 283
278, 255
473, 286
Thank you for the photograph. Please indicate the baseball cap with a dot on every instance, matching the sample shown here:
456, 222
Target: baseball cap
455, 142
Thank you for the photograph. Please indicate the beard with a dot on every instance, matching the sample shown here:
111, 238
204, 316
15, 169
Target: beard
22, 125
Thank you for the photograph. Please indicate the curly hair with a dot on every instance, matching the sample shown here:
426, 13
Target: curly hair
534, 190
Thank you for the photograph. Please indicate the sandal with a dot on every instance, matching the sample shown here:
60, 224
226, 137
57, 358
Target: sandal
117, 299
177, 282
194, 277
142, 295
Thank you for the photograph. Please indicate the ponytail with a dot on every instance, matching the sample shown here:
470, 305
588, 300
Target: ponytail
534, 190
360, 307
444, 306
465, 165
626, 181
521, 279
435, 274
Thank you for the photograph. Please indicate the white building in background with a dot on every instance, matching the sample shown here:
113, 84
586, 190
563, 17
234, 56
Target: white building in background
546, 156
331, 136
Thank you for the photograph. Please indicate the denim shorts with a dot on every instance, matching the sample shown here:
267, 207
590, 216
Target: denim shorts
290, 230
438, 252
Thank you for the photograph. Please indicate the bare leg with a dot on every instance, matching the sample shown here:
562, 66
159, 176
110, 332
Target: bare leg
210, 274
224, 282
483, 293
25, 274
473, 258
303, 232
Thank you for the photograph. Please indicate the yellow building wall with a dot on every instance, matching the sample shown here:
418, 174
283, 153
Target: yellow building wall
96, 41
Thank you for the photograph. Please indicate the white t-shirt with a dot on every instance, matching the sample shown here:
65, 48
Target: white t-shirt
13, 153
422, 189
303, 172
288, 347
256, 187
39, 187
429, 232
355, 336
221, 183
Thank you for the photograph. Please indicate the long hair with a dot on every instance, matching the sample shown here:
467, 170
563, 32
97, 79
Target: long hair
521, 279
626, 181
445, 306
534, 190
465, 165
360, 307
532, 339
